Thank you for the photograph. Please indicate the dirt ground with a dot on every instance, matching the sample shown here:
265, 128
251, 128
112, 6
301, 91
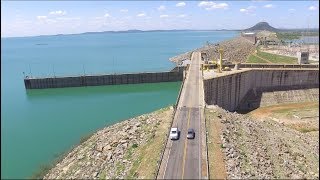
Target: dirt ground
216, 158
303, 117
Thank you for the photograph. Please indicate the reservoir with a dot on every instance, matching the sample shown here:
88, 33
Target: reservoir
36, 125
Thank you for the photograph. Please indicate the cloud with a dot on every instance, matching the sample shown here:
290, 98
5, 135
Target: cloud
209, 5
182, 16
161, 8
141, 15
313, 8
107, 15
268, 6
124, 10
61, 13
164, 16
243, 10
41, 17
181, 4
248, 10
291, 9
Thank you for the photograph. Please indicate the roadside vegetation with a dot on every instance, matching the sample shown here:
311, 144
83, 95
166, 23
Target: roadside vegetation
264, 57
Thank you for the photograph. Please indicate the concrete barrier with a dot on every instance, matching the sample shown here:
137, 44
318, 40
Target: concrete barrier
260, 65
99, 80
230, 90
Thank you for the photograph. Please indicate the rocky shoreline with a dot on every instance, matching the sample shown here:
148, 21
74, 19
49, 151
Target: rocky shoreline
129, 149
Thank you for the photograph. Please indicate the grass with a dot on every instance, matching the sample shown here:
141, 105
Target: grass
305, 130
255, 59
277, 58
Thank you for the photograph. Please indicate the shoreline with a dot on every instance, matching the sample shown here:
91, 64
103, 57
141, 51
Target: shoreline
136, 134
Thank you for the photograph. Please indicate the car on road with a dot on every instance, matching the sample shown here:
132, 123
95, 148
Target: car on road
191, 133
174, 133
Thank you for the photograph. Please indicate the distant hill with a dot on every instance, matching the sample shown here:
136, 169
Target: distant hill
262, 26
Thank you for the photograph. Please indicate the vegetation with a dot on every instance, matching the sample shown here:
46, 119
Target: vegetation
288, 35
295, 34
277, 58
255, 59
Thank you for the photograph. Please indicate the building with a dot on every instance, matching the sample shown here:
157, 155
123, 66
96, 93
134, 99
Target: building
303, 57
251, 36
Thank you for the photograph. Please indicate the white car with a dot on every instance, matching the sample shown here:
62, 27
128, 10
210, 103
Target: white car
174, 133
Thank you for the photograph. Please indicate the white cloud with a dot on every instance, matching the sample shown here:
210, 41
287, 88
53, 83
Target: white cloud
68, 18
209, 5
124, 10
58, 13
248, 10
181, 4
161, 8
292, 9
268, 6
243, 10
141, 15
164, 16
107, 15
312, 8
41, 17
182, 15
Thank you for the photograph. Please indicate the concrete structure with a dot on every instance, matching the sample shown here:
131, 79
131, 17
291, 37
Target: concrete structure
251, 36
229, 91
303, 57
99, 80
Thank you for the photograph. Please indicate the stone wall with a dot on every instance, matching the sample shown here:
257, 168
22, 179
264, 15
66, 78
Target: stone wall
229, 91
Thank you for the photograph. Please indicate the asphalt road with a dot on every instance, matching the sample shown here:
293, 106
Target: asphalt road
183, 157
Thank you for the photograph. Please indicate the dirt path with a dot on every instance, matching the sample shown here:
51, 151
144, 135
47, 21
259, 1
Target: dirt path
255, 54
217, 168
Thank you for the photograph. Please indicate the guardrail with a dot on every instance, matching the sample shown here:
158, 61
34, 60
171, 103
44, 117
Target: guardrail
174, 112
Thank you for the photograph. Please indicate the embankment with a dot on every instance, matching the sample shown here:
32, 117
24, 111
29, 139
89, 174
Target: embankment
229, 91
129, 149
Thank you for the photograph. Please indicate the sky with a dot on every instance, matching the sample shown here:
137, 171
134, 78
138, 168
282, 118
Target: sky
32, 18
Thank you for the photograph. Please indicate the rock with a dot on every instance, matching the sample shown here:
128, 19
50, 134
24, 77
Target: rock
108, 147
99, 148
95, 174
123, 141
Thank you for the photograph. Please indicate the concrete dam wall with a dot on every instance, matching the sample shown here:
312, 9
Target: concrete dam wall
230, 91
99, 80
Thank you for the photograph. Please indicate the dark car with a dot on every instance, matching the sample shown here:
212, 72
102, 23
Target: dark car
191, 134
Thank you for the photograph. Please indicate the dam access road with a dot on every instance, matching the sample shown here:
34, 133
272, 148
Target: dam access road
186, 158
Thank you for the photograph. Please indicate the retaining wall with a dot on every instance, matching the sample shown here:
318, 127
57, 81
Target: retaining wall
98, 80
229, 91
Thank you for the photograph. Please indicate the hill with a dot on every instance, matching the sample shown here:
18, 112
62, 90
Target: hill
262, 26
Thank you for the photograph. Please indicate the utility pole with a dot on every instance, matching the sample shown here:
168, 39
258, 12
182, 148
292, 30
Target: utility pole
84, 71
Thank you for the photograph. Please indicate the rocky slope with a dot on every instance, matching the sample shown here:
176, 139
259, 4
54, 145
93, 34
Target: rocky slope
266, 149
235, 50
129, 149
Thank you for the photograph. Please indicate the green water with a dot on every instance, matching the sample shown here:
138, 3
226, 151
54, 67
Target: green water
60, 117
38, 124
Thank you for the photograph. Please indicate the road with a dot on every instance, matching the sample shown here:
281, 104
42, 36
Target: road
185, 158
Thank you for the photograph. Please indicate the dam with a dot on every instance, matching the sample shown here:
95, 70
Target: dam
229, 90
